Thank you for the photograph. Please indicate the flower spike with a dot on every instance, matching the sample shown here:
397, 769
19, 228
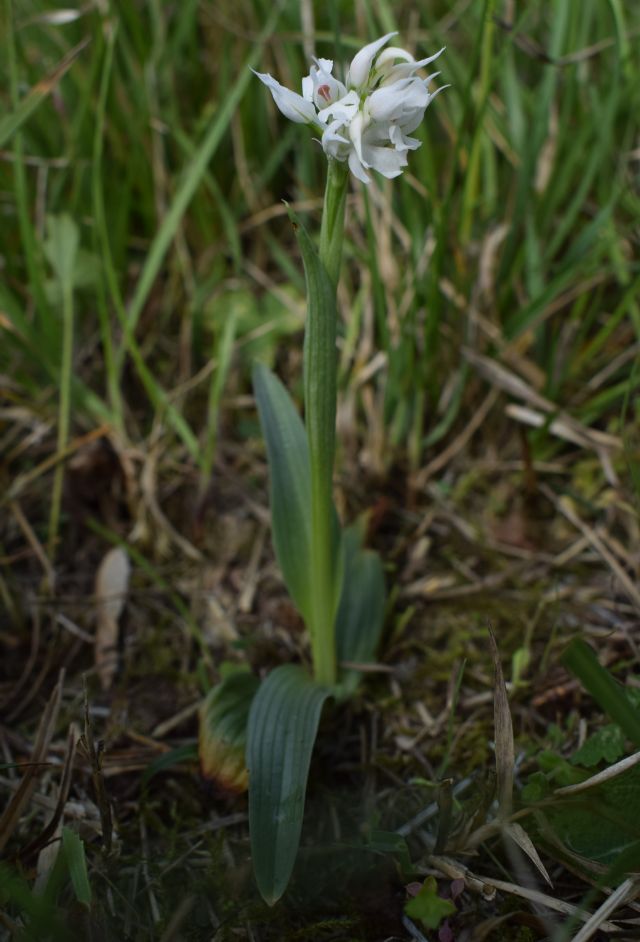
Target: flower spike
366, 120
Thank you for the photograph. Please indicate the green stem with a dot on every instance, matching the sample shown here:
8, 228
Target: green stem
332, 227
320, 413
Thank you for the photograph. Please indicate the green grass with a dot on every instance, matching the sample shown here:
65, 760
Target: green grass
140, 124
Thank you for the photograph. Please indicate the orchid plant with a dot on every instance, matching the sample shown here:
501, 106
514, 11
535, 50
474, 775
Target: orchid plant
263, 733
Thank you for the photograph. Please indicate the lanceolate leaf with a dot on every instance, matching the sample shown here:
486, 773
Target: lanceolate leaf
283, 723
290, 482
361, 610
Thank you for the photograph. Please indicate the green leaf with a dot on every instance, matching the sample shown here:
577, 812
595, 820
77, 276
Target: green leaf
627, 862
360, 614
73, 850
607, 744
290, 483
429, 908
581, 660
600, 823
283, 723
223, 730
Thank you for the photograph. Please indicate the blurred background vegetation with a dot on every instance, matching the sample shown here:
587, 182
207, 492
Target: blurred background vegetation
512, 234
488, 353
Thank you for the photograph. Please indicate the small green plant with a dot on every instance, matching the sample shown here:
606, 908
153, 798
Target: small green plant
336, 584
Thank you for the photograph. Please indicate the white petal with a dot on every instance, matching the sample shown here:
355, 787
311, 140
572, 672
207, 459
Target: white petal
400, 141
391, 54
326, 65
356, 167
406, 69
385, 104
356, 128
292, 105
307, 88
345, 108
386, 160
335, 144
361, 63
392, 102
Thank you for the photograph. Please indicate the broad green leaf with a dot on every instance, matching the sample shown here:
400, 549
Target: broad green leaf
290, 483
223, 730
283, 723
607, 744
429, 908
600, 823
73, 849
611, 697
361, 611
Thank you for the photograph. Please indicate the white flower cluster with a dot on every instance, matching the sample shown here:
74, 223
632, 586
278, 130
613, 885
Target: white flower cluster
368, 120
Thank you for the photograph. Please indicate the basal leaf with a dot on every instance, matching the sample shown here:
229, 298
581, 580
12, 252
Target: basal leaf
283, 723
222, 740
361, 611
290, 483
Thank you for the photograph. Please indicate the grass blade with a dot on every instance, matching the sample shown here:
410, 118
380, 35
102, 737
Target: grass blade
192, 177
11, 122
73, 849
580, 659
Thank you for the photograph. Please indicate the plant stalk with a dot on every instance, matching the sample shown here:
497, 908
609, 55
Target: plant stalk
320, 413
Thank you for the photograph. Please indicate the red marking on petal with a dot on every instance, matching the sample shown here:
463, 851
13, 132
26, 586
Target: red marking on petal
325, 92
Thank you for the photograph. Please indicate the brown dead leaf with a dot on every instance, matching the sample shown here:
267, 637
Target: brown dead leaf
112, 583
505, 751
518, 834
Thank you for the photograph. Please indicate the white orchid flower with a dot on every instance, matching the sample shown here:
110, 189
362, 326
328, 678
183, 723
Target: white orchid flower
294, 107
367, 120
